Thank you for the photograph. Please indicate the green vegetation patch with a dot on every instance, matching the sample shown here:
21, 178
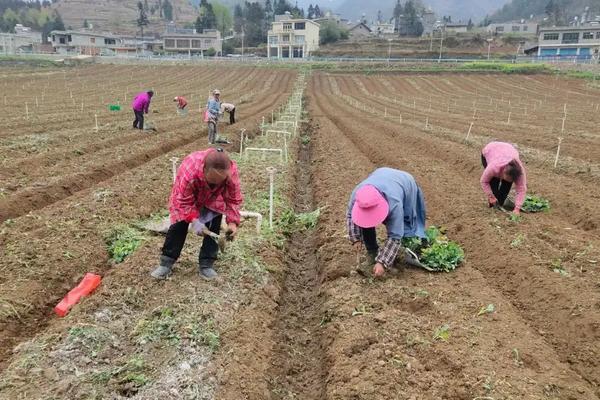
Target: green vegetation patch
122, 241
437, 253
175, 327
506, 68
535, 204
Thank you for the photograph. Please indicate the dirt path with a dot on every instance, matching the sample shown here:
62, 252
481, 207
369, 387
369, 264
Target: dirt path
299, 365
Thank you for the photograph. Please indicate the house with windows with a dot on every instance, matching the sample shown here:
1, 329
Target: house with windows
178, 40
360, 31
292, 38
24, 40
100, 44
569, 42
522, 27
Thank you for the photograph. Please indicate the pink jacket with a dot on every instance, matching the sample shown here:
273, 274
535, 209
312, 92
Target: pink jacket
191, 192
141, 102
498, 155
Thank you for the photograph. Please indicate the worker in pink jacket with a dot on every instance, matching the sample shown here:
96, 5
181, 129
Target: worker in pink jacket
503, 168
140, 106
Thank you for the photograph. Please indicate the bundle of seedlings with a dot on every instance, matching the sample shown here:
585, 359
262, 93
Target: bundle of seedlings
436, 253
534, 204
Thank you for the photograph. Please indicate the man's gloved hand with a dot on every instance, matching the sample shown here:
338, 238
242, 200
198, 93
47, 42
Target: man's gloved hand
198, 227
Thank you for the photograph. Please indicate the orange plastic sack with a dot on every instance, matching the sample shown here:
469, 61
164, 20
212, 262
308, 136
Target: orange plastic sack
88, 284
206, 116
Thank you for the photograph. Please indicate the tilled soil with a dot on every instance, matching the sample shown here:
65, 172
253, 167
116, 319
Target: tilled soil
311, 328
54, 229
540, 340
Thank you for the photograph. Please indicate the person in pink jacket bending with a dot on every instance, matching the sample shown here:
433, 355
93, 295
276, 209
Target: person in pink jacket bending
503, 168
140, 106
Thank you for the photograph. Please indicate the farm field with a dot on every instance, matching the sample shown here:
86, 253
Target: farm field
290, 319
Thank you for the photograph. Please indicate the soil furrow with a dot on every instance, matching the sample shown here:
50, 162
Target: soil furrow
298, 370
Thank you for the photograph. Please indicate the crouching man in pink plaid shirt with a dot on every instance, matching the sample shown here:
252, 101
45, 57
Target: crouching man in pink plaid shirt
207, 187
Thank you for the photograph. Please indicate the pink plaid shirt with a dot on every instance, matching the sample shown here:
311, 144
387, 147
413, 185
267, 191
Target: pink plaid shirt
191, 193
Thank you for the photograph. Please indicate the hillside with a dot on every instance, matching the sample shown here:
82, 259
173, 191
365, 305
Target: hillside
119, 16
518, 9
458, 9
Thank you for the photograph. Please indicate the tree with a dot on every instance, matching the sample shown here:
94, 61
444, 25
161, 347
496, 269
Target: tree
281, 6
318, 13
238, 18
167, 10
330, 32
555, 11
310, 14
223, 18
414, 26
86, 24
142, 20
207, 18
269, 11
470, 25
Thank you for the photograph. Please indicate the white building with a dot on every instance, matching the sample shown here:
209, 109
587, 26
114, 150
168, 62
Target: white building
513, 27
292, 38
96, 44
24, 40
570, 42
177, 40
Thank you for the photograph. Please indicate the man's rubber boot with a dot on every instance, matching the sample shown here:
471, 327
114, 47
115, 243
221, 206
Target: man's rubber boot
164, 269
206, 270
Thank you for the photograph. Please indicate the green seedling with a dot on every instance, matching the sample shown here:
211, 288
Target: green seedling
486, 310
442, 333
359, 310
515, 218
517, 241
557, 267
123, 241
517, 357
535, 204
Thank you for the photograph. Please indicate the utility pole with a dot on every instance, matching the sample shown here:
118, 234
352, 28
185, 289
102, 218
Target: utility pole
243, 34
441, 45
489, 46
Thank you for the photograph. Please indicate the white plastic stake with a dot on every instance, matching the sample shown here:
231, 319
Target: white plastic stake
262, 126
37, 104
469, 133
174, 167
427, 123
82, 106
557, 152
96, 118
27, 110
385, 112
509, 114
563, 124
242, 141
271, 171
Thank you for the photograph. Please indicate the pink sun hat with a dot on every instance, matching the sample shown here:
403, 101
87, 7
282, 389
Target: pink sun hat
370, 208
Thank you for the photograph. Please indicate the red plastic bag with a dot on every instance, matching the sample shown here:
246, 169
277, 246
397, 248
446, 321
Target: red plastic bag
88, 284
206, 116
